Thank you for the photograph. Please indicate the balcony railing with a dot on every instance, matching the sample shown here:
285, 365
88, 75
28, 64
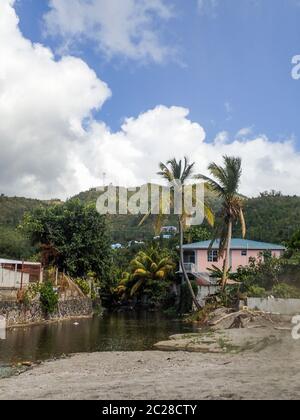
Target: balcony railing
189, 267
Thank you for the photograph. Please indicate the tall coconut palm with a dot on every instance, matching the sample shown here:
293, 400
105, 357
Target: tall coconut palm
178, 173
225, 183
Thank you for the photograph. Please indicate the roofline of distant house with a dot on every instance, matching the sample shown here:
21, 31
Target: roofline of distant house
276, 248
248, 245
16, 262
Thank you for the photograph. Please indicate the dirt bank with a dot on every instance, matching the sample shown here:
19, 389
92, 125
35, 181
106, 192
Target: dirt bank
271, 373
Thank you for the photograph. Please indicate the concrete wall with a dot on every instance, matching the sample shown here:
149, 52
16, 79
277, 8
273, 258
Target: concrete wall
236, 257
204, 291
19, 314
276, 306
12, 279
2, 328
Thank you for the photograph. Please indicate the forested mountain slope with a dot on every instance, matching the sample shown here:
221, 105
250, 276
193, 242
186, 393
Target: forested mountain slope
271, 217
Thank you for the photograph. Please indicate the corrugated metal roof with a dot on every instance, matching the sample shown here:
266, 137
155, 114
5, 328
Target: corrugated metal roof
238, 244
14, 262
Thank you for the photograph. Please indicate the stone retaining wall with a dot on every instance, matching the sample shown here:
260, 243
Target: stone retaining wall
19, 314
8, 295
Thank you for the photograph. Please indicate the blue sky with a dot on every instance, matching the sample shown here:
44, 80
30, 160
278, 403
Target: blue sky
115, 86
232, 68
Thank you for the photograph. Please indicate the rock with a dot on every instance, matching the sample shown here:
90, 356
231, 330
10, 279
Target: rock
183, 336
201, 343
226, 341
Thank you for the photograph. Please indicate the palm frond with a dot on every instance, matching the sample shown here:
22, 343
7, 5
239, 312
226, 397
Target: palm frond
209, 215
136, 287
220, 174
175, 168
140, 274
188, 170
136, 264
165, 262
217, 188
144, 219
165, 172
160, 274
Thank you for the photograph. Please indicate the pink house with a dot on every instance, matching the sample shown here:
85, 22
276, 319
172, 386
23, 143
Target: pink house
198, 258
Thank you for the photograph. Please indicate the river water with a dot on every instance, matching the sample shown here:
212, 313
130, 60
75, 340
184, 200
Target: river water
112, 332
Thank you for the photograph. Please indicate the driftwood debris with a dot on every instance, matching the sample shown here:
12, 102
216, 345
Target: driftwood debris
240, 319
231, 315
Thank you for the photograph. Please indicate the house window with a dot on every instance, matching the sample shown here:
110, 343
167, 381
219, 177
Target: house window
244, 252
190, 257
213, 256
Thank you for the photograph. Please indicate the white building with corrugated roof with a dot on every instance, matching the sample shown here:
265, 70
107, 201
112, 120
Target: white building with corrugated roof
16, 274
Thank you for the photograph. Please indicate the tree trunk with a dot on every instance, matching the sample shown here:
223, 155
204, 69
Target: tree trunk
227, 256
186, 277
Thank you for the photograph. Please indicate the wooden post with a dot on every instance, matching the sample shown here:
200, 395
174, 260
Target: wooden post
21, 287
16, 275
41, 275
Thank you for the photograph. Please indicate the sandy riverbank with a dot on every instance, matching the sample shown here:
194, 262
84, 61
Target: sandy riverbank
271, 373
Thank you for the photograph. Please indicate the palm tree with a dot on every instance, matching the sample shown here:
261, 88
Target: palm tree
146, 269
123, 284
225, 183
177, 173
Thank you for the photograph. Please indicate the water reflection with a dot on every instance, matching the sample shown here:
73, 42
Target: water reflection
113, 332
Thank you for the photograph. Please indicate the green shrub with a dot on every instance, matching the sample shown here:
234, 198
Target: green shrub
284, 291
202, 315
84, 286
48, 298
94, 294
264, 272
31, 293
229, 298
256, 292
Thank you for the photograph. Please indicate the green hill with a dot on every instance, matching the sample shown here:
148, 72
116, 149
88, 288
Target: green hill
270, 217
12, 209
125, 228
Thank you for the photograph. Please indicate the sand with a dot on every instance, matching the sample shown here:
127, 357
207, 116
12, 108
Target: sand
271, 373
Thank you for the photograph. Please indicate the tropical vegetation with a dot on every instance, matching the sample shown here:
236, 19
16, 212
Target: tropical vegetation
268, 275
149, 275
72, 237
271, 217
177, 174
225, 183
48, 298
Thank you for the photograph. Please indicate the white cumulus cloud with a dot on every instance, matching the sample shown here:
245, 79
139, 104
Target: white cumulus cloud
130, 28
52, 146
43, 103
244, 132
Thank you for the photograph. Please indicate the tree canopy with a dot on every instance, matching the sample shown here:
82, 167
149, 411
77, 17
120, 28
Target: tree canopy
71, 236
